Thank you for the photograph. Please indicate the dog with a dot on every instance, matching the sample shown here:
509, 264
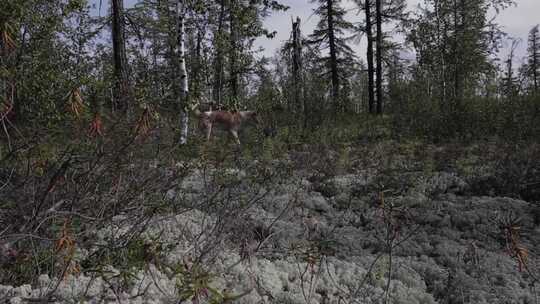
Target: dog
229, 121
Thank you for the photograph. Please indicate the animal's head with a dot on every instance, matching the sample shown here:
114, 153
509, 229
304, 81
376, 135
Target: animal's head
255, 118
251, 117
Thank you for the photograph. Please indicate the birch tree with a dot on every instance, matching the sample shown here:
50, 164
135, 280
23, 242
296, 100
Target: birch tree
182, 70
454, 51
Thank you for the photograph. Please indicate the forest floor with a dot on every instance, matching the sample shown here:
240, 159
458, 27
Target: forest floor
367, 222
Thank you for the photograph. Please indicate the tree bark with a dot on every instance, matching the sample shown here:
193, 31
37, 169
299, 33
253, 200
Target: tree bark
378, 16
459, 29
333, 53
122, 89
369, 55
197, 63
297, 65
218, 61
233, 69
184, 90
535, 54
442, 53
510, 69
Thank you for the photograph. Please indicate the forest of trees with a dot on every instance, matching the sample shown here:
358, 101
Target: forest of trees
57, 62
393, 158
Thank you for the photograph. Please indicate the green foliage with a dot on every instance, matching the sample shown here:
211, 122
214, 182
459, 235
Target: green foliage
478, 118
136, 254
272, 149
193, 283
60, 68
24, 267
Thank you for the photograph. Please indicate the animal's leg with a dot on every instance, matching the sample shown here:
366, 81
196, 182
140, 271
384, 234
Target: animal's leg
208, 132
234, 134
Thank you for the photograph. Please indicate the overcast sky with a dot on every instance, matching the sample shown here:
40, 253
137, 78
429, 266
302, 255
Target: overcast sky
516, 21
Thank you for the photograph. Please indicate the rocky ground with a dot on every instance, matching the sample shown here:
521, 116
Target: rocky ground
381, 223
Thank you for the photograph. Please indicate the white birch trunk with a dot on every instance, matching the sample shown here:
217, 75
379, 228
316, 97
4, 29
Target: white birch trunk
184, 89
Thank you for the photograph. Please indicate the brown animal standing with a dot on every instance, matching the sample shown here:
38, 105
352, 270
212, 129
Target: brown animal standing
230, 122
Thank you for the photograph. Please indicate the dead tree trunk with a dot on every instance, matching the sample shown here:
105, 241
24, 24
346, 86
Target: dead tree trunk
534, 55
